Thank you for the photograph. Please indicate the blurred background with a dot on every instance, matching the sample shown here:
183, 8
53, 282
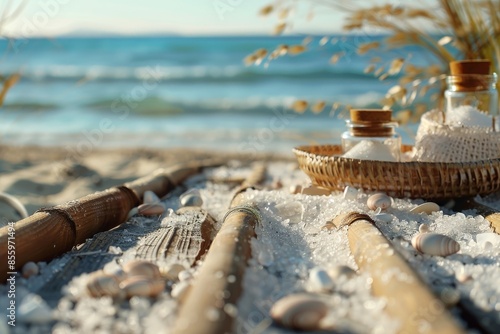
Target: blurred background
172, 74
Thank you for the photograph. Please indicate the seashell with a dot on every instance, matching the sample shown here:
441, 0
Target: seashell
423, 228
132, 212
428, 208
329, 225
30, 269
151, 209
150, 197
384, 217
191, 198
350, 193
142, 286
299, 311
101, 284
34, 310
463, 277
184, 236
277, 184
341, 271
435, 244
319, 281
180, 290
315, 191
295, 189
449, 296
172, 271
142, 268
379, 200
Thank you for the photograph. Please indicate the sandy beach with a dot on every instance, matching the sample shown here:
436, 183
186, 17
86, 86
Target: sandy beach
47, 176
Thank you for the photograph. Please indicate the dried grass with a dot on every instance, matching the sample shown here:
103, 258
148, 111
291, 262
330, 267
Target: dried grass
464, 29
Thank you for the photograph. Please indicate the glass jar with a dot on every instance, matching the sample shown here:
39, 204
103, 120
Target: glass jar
374, 127
471, 84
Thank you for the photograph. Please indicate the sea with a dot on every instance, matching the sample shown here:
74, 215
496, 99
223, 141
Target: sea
176, 91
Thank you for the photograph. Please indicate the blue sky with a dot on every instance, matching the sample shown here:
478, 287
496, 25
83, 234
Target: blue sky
187, 17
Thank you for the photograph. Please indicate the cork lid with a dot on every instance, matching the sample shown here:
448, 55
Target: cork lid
371, 115
470, 66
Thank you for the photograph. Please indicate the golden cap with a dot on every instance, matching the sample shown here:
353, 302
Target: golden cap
371, 115
470, 66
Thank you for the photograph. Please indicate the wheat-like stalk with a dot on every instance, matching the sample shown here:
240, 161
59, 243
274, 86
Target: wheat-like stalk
461, 29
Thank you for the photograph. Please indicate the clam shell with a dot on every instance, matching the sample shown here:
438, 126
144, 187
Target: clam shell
299, 311
350, 193
435, 244
319, 281
191, 198
150, 197
428, 208
316, 191
30, 269
101, 284
379, 200
340, 271
142, 286
295, 189
142, 268
423, 228
151, 209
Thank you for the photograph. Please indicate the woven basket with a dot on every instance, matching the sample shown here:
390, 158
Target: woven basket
427, 180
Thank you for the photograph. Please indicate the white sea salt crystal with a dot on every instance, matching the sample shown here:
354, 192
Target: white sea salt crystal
350, 193
34, 310
213, 314
293, 211
468, 116
115, 250
370, 150
265, 257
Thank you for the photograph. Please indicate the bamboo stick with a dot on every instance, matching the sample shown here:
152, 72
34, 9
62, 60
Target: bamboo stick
219, 282
408, 299
53, 231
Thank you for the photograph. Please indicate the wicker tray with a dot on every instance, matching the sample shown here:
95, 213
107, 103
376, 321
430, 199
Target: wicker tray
427, 180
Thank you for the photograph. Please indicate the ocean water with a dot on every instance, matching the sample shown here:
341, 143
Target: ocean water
182, 91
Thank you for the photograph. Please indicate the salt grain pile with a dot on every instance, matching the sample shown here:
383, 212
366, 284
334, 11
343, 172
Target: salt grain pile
297, 251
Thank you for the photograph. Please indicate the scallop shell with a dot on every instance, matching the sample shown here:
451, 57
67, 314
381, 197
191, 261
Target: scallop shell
299, 311
428, 208
30, 269
142, 286
319, 281
350, 193
150, 197
191, 198
101, 284
151, 209
315, 191
142, 268
435, 244
379, 200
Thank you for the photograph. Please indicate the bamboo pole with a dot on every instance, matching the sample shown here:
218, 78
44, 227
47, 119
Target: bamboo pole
219, 282
53, 231
408, 298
